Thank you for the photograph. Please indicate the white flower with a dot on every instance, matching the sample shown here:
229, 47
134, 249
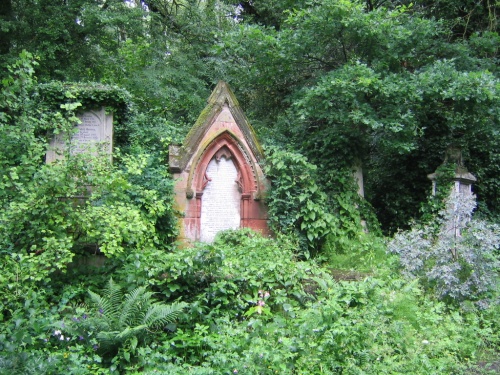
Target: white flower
61, 338
425, 342
57, 332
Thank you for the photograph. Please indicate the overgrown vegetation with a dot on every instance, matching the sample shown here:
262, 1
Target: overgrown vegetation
455, 255
92, 279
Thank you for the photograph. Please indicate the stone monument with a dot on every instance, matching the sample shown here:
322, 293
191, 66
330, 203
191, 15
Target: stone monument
463, 179
94, 131
219, 181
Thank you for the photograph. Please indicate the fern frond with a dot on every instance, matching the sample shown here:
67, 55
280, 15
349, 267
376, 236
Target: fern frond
115, 296
108, 338
159, 315
131, 306
130, 332
100, 302
130, 315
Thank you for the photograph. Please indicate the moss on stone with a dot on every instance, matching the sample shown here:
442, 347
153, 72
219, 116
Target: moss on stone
222, 94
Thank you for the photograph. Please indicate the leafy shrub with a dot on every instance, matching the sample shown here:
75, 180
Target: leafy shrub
47, 212
456, 255
321, 223
225, 277
297, 206
371, 327
360, 251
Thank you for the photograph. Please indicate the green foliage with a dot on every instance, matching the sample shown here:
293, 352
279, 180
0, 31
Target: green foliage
371, 327
455, 256
73, 39
389, 85
436, 202
53, 213
229, 274
47, 209
90, 95
308, 322
360, 251
124, 320
297, 206
322, 224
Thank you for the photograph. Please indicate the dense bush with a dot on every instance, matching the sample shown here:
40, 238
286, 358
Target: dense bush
253, 308
455, 256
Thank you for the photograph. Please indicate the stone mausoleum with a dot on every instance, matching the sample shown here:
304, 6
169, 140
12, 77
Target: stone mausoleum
219, 183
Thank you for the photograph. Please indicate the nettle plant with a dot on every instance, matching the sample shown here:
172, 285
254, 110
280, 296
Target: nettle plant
456, 256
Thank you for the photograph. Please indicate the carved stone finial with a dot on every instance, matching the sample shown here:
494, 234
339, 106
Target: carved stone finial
454, 155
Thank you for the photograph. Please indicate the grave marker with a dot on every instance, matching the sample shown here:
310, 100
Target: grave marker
94, 131
219, 181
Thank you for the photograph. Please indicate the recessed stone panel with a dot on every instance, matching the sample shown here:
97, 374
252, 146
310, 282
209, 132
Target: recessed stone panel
220, 202
94, 132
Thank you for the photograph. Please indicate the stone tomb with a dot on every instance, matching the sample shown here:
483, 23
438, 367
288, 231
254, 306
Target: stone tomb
219, 182
94, 132
462, 180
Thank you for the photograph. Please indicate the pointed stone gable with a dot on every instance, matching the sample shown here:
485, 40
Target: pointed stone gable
219, 180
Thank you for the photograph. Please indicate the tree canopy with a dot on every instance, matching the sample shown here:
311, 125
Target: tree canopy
389, 83
329, 86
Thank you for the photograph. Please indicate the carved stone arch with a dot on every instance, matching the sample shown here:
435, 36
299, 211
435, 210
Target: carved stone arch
221, 131
227, 144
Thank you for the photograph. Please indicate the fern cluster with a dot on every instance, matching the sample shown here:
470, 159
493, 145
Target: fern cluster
129, 316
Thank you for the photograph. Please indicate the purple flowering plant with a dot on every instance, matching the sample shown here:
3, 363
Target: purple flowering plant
260, 307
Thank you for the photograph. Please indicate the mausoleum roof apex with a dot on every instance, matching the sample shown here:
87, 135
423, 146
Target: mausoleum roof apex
222, 98
222, 94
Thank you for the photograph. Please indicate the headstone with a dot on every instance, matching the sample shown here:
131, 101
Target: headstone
219, 181
95, 132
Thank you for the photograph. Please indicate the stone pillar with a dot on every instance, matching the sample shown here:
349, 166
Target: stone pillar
358, 177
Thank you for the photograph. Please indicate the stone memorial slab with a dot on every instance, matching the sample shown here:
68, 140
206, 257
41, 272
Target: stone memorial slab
94, 132
220, 203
